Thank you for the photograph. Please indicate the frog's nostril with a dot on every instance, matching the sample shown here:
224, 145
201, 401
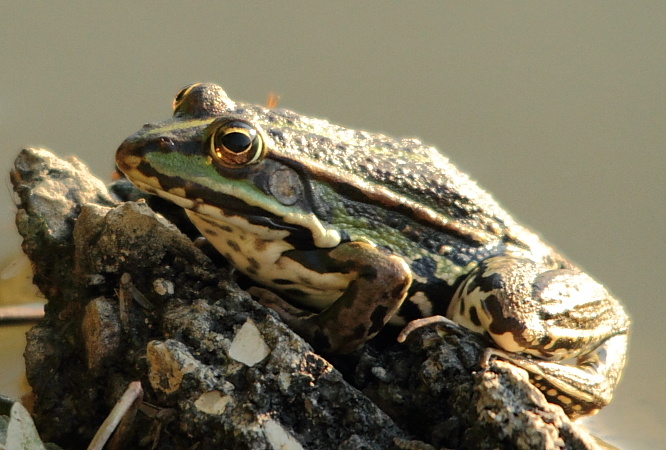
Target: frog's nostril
165, 145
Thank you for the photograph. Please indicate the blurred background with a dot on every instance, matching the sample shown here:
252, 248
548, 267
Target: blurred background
556, 108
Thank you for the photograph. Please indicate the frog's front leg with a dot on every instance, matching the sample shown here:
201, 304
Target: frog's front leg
542, 317
378, 286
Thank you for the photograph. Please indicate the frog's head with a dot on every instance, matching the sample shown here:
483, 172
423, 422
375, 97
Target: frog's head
211, 159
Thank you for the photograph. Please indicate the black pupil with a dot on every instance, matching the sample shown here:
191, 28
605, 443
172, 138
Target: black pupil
236, 142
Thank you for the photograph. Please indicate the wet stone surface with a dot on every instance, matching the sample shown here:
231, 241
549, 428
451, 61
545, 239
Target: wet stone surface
218, 369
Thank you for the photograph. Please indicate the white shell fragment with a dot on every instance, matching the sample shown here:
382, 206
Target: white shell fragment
278, 437
213, 402
248, 346
21, 432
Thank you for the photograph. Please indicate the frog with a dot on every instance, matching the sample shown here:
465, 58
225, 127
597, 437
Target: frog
345, 232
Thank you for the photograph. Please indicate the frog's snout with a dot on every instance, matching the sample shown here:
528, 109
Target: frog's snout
133, 151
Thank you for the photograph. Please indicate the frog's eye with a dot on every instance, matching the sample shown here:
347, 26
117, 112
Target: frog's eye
178, 99
236, 143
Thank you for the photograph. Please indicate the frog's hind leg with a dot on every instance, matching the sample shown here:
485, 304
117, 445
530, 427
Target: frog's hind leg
540, 318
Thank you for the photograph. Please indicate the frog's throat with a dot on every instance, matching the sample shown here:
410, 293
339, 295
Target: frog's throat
321, 236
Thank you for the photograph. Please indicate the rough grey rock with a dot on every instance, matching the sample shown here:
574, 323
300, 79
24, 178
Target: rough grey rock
218, 369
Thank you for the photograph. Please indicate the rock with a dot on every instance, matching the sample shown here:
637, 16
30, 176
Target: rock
131, 298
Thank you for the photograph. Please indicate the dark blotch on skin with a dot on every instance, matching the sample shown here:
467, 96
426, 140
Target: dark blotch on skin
305, 281
378, 318
166, 182
545, 340
486, 283
500, 324
462, 306
409, 311
368, 272
212, 223
282, 281
349, 296
299, 237
293, 292
233, 245
474, 316
317, 261
399, 290
210, 232
209, 222
437, 292
470, 284
358, 333
253, 263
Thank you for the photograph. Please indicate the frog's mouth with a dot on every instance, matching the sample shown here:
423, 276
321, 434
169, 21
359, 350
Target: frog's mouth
228, 209
201, 199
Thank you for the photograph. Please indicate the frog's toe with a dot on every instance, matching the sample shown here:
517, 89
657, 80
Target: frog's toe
287, 312
442, 321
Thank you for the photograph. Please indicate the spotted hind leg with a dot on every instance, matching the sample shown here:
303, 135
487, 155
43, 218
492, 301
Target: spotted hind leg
539, 318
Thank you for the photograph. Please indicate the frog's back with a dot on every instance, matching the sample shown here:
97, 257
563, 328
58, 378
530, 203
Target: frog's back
402, 174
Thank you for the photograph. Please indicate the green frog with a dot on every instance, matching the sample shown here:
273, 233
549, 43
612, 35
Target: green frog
347, 231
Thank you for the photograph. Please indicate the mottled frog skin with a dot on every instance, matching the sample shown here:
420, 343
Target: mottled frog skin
347, 231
